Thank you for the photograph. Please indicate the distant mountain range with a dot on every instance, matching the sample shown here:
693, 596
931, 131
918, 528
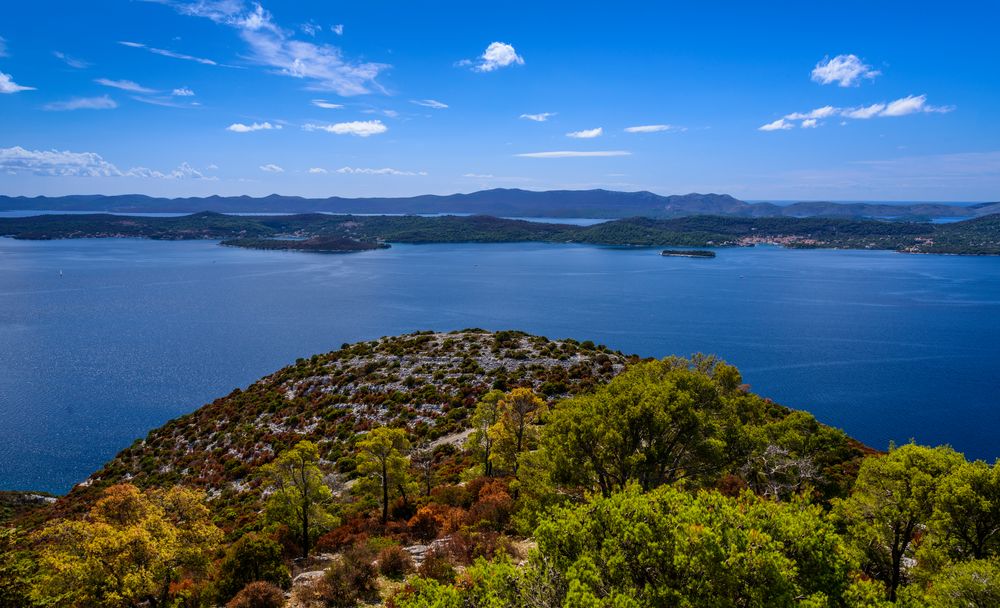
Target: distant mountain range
503, 203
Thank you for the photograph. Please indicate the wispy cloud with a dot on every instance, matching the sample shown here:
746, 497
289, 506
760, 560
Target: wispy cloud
779, 125
652, 128
165, 101
311, 28
845, 70
63, 163
272, 46
322, 103
586, 133
182, 92
360, 128
824, 112
574, 154
169, 53
82, 103
337, 29
430, 103
317, 171
124, 85
911, 104
382, 171
271, 168
238, 127
72, 62
542, 117
7, 85
497, 55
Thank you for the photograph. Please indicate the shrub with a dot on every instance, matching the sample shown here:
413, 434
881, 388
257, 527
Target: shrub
254, 557
351, 578
437, 566
394, 562
258, 594
466, 546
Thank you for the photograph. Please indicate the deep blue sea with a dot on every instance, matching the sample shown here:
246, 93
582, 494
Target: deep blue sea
133, 333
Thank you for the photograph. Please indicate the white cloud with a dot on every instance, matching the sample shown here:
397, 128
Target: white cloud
361, 128
238, 127
864, 112
83, 103
383, 171
72, 62
845, 70
779, 125
310, 28
586, 133
497, 55
271, 168
124, 85
7, 85
64, 163
824, 112
574, 154
538, 117
323, 65
184, 171
56, 162
318, 171
337, 29
430, 103
479, 175
912, 104
168, 53
652, 128
182, 92
322, 103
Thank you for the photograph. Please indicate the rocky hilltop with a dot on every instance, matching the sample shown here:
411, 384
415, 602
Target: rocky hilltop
426, 382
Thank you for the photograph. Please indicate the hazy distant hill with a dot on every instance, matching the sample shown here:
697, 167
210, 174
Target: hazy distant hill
500, 202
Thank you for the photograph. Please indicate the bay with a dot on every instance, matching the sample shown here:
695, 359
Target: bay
132, 333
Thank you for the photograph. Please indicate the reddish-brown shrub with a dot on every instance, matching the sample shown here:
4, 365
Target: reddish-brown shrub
437, 566
258, 595
453, 496
465, 546
394, 562
351, 578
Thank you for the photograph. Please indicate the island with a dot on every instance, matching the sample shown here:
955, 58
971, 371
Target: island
978, 236
316, 244
687, 253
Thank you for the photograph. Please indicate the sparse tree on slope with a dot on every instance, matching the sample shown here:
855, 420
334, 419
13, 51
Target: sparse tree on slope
299, 498
381, 459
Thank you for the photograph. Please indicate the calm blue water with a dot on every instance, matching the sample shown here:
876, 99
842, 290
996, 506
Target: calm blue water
134, 332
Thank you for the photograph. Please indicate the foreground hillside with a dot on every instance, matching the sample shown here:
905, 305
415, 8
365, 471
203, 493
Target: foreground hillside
494, 469
346, 233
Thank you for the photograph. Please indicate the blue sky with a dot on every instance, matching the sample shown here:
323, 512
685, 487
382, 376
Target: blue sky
852, 101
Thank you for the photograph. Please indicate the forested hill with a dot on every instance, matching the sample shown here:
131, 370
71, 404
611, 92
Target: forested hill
502, 202
478, 469
976, 236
